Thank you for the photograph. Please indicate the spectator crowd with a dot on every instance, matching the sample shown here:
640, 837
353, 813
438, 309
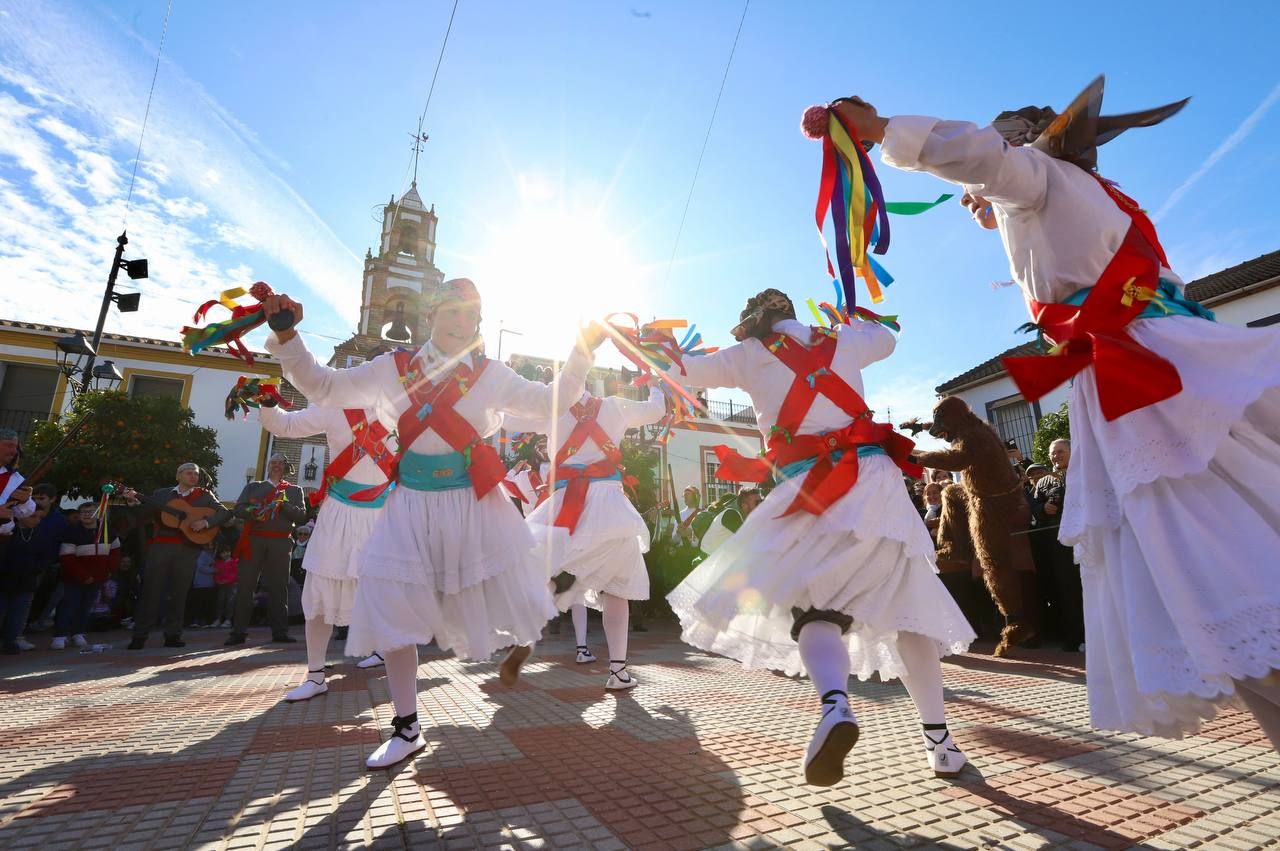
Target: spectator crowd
69, 572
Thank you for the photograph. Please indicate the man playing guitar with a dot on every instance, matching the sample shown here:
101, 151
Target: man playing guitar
171, 557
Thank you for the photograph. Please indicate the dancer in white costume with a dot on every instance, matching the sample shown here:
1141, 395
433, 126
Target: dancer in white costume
449, 558
360, 466
834, 571
529, 485
591, 539
1175, 419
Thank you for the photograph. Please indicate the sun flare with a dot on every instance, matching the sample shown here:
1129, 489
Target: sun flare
546, 273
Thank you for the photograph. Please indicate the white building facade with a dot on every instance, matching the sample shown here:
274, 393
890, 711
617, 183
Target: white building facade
33, 388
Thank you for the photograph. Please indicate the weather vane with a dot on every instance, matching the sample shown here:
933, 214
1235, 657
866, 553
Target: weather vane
419, 139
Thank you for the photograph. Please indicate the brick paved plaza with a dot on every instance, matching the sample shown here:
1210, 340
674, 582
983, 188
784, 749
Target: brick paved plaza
193, 748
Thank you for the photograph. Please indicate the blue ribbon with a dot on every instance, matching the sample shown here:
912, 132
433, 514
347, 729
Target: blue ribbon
799, 468
444, 472
342, 490
1173, 303
615, 476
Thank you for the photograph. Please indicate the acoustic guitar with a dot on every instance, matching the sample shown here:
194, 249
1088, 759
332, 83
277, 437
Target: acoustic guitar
178, 514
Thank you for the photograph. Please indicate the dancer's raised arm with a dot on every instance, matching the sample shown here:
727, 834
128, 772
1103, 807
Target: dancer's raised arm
533, 400
356, 387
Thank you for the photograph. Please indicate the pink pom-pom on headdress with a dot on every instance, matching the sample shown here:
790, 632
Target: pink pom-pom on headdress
815, 121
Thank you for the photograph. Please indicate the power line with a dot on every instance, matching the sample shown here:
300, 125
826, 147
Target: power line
439, 59
419, 138
705, 139
137, 158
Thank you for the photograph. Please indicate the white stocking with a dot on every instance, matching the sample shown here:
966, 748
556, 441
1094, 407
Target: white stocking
616, 622
825, 655
579, 613
402, 681
924, 676
318, 633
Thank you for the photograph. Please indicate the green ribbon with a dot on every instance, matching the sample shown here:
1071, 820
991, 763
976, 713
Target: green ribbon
914, 208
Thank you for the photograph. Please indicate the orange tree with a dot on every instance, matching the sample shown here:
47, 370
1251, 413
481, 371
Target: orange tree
138, 442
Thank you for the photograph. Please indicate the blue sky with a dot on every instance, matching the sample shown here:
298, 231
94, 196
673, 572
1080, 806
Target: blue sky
563, 142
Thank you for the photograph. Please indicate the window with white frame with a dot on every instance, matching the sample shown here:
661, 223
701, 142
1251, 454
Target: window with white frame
714, 488
1014, 419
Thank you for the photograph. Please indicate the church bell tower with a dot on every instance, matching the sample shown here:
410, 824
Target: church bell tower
402, 276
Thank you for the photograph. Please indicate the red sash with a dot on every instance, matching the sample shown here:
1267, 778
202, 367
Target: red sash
1129, 376
431, 407
579, 478
828, 479
4, 480
367, 439
266, 509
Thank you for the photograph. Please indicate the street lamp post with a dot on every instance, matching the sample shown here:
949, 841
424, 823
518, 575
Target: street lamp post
501, 332
127, 302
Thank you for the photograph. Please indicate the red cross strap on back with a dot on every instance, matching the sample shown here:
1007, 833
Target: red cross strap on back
829, 478
579, 478
1129, 375
431, 407
367, 439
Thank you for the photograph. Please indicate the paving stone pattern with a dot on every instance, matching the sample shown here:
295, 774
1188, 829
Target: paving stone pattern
194, 749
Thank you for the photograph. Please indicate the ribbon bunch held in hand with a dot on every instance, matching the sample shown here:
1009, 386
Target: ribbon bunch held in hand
244, 318
851, 190
253, 393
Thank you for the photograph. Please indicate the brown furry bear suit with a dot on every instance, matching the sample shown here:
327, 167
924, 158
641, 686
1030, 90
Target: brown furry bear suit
980, 514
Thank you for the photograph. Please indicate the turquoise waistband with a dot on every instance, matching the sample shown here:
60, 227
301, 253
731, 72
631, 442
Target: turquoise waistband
342, 490
1170, 303
797, 468
434, 472
615, 476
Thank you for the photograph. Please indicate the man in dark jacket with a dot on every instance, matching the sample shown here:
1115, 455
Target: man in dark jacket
24, 554
1046, 507
171, 557
270, 509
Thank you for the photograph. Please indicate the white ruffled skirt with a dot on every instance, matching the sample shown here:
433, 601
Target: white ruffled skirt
1174, 514
868, 556
331, 561
605, 552
443, 565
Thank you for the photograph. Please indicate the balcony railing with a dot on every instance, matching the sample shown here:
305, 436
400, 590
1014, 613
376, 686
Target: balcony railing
733, 412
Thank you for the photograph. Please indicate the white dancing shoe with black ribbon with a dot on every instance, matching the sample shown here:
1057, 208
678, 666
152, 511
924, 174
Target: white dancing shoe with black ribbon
374, 661
585, 656
945, 758
620, 679
834, 737
406, 740
308, 688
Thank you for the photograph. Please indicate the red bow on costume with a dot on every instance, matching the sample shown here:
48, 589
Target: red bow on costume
829, 478
1129, 376
579, 478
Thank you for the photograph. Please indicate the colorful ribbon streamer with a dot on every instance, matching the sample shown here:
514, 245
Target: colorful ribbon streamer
244, 318
851, 191
253, 393
104, 534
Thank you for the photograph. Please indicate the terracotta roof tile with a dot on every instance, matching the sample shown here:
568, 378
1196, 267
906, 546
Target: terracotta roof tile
986, 369
1237, 277
117, 338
